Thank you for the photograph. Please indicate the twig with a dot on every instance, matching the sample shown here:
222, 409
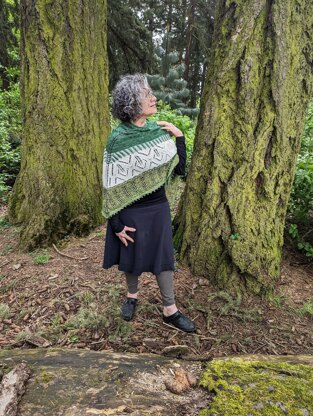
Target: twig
88, 286
6, 262
97, 342
67, 255
307, 233
177, 329
258, 348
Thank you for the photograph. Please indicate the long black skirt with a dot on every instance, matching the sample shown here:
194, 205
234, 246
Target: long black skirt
152, 250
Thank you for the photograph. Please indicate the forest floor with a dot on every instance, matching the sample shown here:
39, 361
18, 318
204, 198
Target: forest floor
62, 297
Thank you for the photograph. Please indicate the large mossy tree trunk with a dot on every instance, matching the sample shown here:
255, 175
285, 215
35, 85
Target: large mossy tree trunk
230, 222
64, 93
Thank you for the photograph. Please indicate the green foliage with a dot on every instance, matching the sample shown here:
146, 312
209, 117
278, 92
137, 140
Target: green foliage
126, 29
4, 311
301, 201
228, 305
302, 245
4, 222
183, 122
300, 207
10, 130
9, 45
307, 308
258, 388
42, 258
105, 317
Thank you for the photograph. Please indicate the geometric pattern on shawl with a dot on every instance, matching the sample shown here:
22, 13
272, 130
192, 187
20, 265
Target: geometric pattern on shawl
136, 162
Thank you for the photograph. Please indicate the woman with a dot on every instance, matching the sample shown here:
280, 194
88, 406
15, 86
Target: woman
138, 160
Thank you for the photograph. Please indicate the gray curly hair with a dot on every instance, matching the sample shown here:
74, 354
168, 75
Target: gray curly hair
127, 96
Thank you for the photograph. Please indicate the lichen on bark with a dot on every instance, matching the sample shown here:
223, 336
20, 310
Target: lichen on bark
64, 94
230, 221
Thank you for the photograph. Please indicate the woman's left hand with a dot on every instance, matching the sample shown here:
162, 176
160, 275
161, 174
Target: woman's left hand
170, 128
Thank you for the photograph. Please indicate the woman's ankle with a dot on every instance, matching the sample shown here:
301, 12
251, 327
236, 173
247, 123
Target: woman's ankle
132, 295
169, 310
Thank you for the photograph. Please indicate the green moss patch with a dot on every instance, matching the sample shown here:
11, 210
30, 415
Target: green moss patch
258, 388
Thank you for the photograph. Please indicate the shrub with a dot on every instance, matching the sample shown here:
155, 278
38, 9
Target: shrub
300, 206
10, 130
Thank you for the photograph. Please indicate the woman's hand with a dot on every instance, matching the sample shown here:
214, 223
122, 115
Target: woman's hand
170, 128
124, 237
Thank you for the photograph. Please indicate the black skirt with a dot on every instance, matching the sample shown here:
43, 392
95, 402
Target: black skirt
152, 250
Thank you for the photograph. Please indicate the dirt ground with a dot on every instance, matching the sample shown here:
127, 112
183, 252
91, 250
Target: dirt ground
62, 297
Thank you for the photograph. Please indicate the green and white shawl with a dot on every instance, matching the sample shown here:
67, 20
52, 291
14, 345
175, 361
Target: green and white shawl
136, 162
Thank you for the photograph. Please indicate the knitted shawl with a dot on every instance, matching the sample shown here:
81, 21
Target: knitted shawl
136, 162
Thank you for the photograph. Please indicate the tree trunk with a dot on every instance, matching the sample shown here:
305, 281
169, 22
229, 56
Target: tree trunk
231, 218
64, 79
191, 21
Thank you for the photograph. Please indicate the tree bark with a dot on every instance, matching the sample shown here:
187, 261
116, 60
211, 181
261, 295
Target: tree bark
12, 388
64, 80
230, 222
191, 21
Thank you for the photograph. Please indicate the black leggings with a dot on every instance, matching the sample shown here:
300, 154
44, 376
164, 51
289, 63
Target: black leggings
165, 282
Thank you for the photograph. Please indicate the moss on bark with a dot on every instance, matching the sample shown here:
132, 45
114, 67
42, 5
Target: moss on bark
231, 219
64, 82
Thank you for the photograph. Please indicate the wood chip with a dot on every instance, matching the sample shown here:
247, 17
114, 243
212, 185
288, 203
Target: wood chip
38, 341
16, 266
175, 350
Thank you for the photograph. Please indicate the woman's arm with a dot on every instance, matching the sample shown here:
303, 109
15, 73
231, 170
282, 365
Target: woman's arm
180, 168
120, 229
116, 224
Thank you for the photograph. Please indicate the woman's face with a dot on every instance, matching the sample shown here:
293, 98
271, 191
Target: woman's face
148, 102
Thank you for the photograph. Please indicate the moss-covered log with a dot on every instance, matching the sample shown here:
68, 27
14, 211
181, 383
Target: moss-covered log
64, 87
259, 386
231, 218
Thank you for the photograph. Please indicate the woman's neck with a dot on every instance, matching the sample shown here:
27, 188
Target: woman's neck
139, 122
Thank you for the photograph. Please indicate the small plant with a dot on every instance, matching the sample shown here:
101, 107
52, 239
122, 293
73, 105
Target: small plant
87, 298
4, 222
303, 246
88, 319
276, 298
234, 236
56, 319
73, 339
231, 306
105, 318
22, 336
4, 311
9, 286
307, 308
42, 258
6, 249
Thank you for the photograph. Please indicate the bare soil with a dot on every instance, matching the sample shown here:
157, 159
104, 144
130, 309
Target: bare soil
70, 300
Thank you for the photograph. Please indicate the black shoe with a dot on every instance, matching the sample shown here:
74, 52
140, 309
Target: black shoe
180, 321
128, 309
